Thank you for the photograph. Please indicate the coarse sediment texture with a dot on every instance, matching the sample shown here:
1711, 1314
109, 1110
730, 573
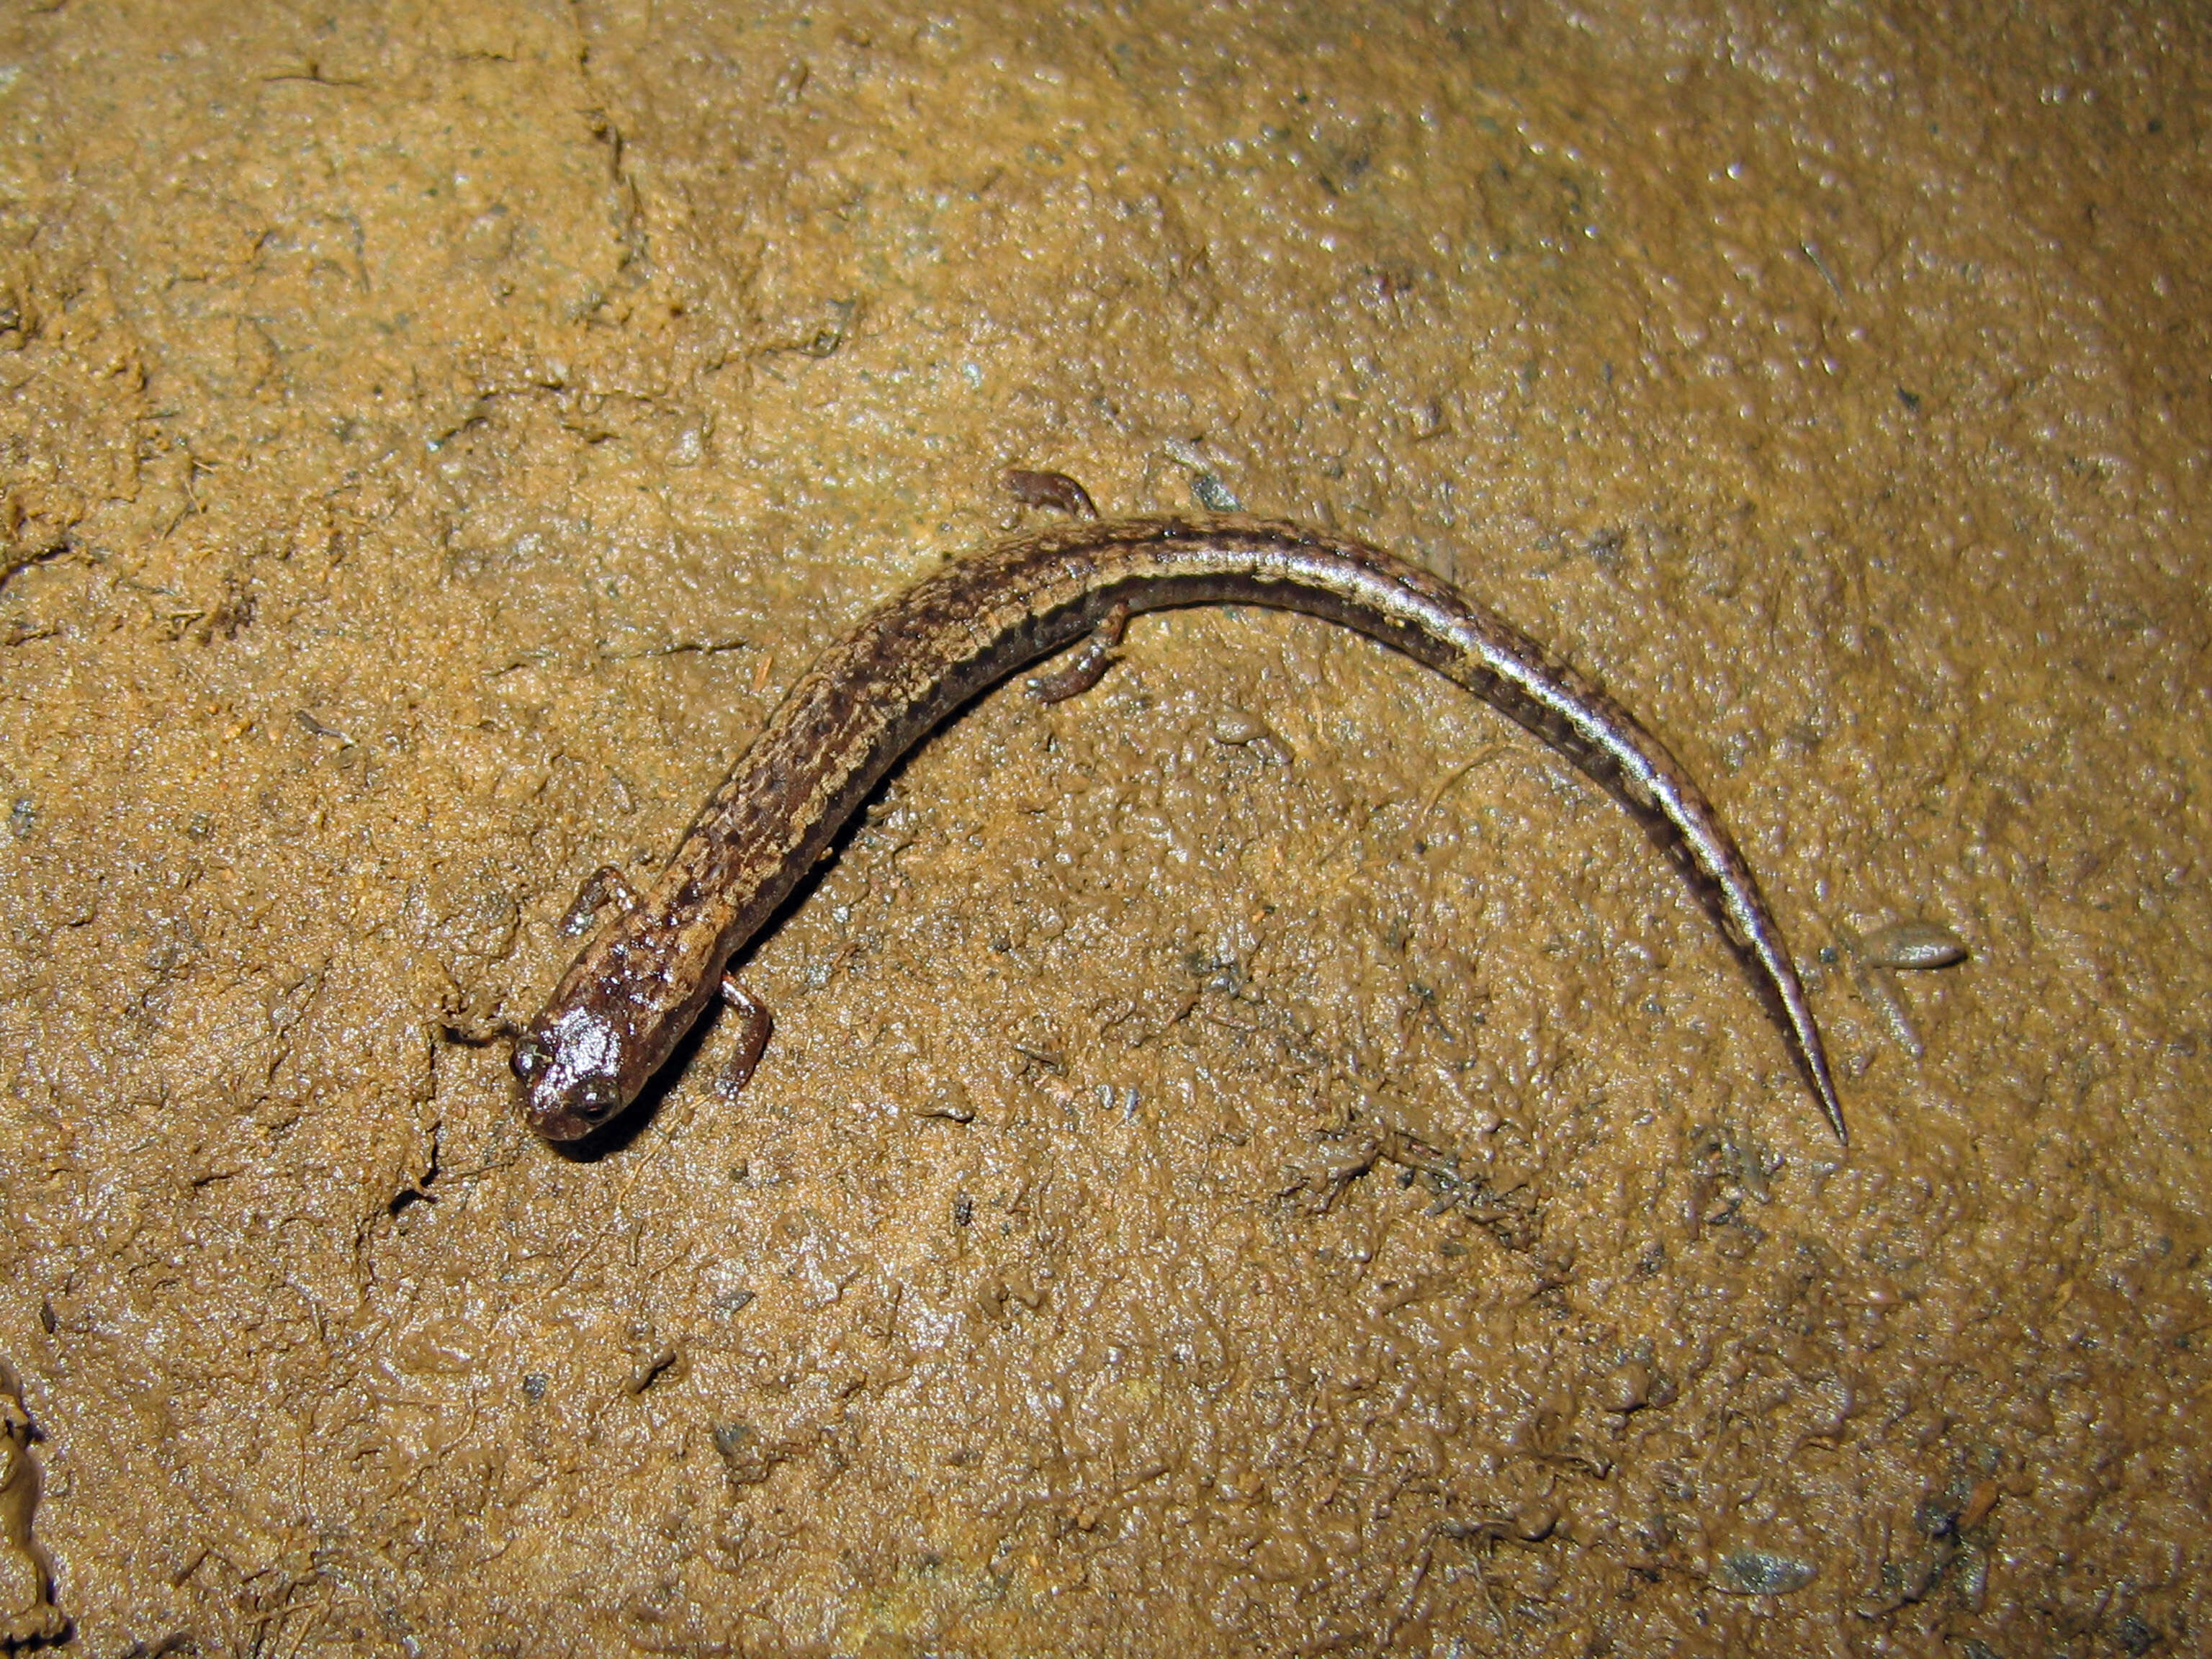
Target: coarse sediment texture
1259, 1158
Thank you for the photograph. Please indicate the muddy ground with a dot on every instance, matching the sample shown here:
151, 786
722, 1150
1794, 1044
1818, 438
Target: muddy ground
1261, 1158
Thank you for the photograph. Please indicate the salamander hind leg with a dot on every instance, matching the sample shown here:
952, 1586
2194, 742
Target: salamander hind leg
1088, 666
604, 886
755, 1021
1053, 489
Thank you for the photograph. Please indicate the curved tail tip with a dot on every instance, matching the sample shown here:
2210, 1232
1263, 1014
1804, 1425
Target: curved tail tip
1824, 1091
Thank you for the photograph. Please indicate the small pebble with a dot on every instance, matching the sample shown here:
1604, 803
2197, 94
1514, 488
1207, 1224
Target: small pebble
1979, 1502
1760, 1573
1629, 1386
1877, 988
1206, 486
1535, 1520
1215, 496
950, 1102
1914, 944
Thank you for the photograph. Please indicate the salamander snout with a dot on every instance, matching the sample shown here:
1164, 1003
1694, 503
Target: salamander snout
568, 1076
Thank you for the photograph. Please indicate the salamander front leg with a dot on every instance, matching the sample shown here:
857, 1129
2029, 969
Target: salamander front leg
605, 886
755, 1023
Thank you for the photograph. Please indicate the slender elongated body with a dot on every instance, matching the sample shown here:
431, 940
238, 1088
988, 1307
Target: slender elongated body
648, 973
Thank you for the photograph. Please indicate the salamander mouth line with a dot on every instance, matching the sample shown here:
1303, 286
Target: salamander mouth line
647, 974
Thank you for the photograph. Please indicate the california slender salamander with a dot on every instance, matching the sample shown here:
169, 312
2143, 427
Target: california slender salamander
649, 973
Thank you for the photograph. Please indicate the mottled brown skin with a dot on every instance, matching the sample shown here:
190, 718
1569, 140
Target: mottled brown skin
648, 975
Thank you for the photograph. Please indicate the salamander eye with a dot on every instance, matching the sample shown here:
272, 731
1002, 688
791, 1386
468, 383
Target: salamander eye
530, 1058
596, 1097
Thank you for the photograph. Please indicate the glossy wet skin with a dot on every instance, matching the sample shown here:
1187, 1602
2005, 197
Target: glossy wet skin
569, 1073
646, 976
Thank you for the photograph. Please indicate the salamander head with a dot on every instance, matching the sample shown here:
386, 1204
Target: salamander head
569, 1074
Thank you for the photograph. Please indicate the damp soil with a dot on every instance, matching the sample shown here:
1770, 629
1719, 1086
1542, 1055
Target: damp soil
1261, 1158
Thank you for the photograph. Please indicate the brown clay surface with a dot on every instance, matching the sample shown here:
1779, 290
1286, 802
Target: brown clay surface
1260, 1158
